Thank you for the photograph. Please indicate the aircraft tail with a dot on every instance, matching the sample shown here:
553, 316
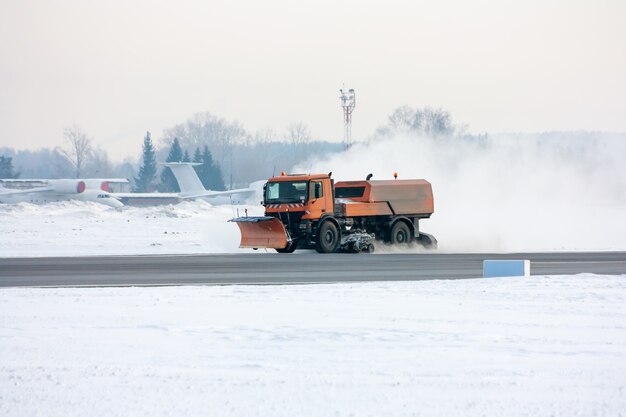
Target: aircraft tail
186, 176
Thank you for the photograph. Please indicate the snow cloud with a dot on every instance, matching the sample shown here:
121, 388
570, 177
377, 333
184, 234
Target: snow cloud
562, 191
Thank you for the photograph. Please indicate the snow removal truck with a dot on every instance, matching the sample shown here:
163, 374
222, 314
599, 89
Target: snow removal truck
312, 212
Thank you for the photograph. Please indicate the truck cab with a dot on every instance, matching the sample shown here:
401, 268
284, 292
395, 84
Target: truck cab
308, 197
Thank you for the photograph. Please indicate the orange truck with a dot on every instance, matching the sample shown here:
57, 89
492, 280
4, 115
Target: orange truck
314, 212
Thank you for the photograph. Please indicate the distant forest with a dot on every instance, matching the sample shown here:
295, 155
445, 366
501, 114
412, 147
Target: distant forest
229, 156
238, 157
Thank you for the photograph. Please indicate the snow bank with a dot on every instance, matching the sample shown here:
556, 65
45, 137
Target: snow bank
538, 346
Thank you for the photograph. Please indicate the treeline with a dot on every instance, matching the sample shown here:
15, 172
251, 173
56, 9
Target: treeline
244, 157
230, 156
50, 163
76, 157
146, 181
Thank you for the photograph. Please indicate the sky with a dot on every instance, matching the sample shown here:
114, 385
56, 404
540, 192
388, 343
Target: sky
120, 68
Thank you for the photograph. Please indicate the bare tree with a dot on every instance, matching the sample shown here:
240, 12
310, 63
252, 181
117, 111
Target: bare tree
263, 136
298, 134
428, 121
77, 147
402, 118
437, 122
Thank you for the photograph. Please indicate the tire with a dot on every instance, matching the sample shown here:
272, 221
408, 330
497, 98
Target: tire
400, 234
327, 238
291, 247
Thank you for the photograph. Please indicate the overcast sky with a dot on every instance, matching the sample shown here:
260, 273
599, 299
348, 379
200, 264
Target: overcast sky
119, 68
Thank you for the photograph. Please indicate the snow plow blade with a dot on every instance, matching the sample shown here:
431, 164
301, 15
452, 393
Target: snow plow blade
261, 232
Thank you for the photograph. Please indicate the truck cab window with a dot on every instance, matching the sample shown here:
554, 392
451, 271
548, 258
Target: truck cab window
317, 191
286, 192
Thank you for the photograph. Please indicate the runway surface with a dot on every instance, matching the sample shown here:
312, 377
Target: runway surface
298, 268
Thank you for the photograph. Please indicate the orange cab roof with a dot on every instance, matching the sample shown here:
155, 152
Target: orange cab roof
298, 177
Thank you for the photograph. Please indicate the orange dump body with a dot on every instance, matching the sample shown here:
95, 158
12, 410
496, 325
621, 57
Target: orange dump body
376, 198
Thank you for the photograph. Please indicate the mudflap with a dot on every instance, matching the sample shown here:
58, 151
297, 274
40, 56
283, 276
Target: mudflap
262, 232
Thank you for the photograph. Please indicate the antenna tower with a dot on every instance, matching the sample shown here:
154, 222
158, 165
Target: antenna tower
348, 101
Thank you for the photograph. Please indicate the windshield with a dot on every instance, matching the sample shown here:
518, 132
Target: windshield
286, 192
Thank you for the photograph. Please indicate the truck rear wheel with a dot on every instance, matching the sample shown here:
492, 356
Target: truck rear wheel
400, 234
327, 238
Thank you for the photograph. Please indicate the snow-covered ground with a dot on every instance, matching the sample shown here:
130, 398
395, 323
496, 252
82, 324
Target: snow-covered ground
75, 228
538, 346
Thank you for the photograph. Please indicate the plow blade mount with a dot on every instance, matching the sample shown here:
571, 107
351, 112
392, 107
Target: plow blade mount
262, 232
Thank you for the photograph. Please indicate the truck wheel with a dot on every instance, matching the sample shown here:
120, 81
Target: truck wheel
400, 234
327, 238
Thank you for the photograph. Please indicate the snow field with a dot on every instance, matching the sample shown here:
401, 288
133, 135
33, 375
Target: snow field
74, 228
538, 346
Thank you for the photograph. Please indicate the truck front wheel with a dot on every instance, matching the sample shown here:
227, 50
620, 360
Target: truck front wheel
400, 234
327, 238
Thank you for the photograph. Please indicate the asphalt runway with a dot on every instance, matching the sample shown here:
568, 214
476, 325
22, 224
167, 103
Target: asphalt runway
298, 268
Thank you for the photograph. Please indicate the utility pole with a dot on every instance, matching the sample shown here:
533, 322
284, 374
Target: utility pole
348, 101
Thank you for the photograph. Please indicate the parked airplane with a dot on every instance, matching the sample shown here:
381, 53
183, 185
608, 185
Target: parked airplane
46, 191
191, 188
114, 192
